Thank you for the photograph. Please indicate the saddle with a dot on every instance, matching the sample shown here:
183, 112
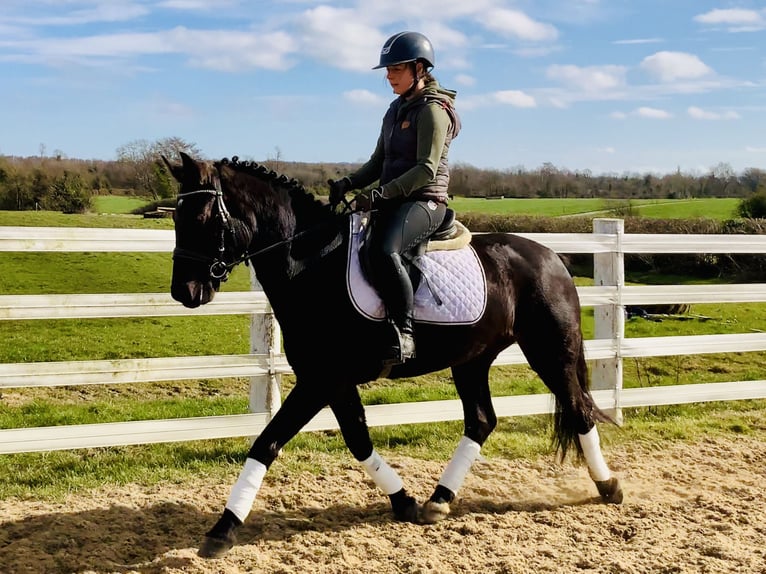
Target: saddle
451, 234
455, 287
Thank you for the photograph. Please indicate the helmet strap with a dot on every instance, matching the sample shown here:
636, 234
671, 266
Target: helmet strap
415, 81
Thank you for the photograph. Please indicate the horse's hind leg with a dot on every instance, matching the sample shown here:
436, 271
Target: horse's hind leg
608, 486
349, 412
560, 362
472, 383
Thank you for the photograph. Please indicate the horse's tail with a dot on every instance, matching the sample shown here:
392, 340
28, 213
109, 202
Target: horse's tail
579, 413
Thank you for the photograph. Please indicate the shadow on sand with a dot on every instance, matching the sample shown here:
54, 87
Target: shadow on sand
164, 536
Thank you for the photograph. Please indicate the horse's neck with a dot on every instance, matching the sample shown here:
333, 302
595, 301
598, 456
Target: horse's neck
297, 234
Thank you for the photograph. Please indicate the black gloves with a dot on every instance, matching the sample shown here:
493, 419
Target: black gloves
338, 189
365, 199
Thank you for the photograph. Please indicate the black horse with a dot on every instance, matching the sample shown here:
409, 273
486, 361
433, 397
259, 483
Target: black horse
230, 211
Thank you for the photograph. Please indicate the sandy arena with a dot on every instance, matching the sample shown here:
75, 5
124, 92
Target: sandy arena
690, 508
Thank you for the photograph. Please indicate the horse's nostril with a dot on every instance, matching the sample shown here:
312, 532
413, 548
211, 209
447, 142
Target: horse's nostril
189, 294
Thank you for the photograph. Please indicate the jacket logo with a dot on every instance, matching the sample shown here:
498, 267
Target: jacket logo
405, 124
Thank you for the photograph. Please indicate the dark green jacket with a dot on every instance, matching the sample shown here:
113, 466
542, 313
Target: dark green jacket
411, 157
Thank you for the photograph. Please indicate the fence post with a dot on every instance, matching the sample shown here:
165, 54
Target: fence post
609, 269
265, 339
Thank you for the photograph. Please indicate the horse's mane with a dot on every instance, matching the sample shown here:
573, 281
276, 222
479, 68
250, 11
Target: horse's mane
308, 212
301, 197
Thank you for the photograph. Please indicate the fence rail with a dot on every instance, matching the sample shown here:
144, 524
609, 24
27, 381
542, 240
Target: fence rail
266, 363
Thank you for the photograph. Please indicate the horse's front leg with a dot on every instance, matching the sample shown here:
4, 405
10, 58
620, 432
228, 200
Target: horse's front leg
300, 406
472, 383
349, 412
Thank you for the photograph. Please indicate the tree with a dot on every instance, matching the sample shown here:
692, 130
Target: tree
68, 194
753, 207
143, 157
752, 178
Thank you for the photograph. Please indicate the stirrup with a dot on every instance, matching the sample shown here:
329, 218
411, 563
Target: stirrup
402, 349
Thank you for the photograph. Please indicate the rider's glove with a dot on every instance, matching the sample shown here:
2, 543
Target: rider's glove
365, 199
338, 189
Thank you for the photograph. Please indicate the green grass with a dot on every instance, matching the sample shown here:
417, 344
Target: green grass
53, 475
117, 203
54, 219
718, 208
714, 208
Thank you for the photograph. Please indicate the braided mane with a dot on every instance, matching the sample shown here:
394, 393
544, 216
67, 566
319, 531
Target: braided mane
263, 172
295, 188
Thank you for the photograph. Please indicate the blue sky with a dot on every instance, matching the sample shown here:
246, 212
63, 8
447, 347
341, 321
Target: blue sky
609, 86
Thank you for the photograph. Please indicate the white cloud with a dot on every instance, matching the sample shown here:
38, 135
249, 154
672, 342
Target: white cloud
101, 12
536, 51
164, 108
588, 78
363, 97
737, 19
700, 114
232, 50
517, 24
514, 98
198, 5
639, 41
339, 38
465, 80
672, 66
652, 113
214, 49
618, 115
752, 149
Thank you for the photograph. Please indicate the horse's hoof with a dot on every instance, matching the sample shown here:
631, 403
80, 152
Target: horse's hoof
215, 547
432, 512
610, 490
408, 511
405, 507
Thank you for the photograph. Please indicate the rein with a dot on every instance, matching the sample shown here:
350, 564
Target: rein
219, 269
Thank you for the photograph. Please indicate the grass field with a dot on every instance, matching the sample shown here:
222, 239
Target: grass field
713, 208
115, 211
54, 474
106, 204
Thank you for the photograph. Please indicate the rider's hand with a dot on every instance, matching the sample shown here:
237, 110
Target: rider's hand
365, 199
338, 189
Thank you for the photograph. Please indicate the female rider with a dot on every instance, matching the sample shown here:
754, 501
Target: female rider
410, 166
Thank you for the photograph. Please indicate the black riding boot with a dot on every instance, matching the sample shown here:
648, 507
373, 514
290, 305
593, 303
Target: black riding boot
402, 343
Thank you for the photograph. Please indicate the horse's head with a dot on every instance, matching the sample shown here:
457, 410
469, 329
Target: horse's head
205, 248
231, 211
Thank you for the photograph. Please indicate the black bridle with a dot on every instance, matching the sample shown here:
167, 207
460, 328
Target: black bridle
219, 269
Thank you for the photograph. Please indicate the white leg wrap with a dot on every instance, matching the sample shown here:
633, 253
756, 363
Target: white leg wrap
467, 451
246, 488
591, 448
385, 477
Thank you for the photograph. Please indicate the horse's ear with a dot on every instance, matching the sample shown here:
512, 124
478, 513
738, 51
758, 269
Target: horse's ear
175, 169
188, 161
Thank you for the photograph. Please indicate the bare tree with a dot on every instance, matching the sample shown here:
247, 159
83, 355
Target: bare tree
143, 157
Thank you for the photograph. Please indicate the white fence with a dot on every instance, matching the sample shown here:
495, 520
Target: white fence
265, 364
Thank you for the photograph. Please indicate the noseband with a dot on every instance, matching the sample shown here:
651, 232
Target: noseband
219, 269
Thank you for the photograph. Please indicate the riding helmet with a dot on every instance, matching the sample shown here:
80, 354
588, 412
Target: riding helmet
406, 47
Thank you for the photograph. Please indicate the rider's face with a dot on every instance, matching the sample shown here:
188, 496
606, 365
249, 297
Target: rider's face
400, 77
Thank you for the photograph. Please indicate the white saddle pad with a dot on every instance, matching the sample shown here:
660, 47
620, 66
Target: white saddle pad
456, 278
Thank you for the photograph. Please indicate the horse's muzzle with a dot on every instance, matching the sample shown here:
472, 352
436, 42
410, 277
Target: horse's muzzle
192, 294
